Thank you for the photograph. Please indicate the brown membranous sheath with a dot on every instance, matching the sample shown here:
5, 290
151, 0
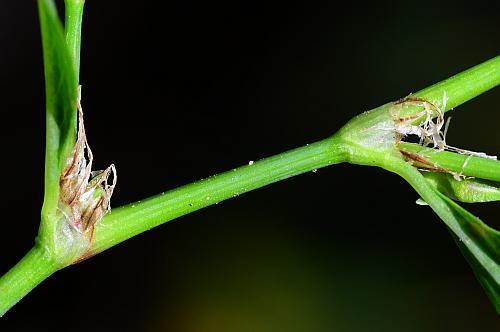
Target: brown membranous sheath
430, 131
84, 194
422, 163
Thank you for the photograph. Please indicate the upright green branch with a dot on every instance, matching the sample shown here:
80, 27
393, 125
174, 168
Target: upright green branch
53, 248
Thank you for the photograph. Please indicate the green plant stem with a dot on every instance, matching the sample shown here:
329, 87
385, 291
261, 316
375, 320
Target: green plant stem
130, 220
467, 165
73, 30
127, 221
31, 270
464, 86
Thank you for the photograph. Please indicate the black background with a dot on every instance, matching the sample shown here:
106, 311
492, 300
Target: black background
175, 91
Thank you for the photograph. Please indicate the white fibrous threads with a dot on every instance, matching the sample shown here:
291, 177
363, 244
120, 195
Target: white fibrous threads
430, 130
84, 195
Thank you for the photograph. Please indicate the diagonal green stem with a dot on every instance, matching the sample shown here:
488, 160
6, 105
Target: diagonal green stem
127, 221
464, 86
31, 270
130, 220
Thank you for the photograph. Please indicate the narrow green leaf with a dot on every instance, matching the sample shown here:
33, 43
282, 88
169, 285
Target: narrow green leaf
486, 280
479, 242
61, 95
487, 239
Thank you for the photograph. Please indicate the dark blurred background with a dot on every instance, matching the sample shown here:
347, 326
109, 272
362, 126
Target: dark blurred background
175, 91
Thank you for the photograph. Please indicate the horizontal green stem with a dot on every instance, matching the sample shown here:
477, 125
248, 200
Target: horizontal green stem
127, 221
468, 165
35, 267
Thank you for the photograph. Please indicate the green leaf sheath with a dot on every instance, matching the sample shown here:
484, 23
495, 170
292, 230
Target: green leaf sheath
73, 28
468, 190
31, 270
61, 95
127, 221
467, 165
61, 123
487, 281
